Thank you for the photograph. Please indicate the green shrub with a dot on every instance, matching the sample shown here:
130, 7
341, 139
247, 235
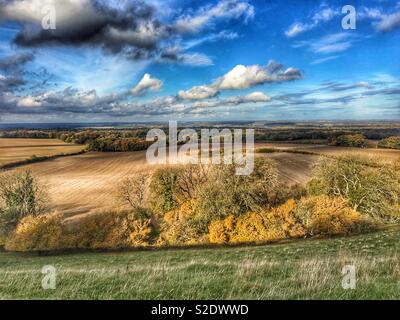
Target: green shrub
21, 195
390, 143
371, 187
226, 193
172, 186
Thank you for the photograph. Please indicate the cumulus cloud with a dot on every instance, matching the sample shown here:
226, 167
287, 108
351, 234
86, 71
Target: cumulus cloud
254, 97
72, 101
242, 77
198, 92
147, 83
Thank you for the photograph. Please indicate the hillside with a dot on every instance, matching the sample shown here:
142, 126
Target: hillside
305, 269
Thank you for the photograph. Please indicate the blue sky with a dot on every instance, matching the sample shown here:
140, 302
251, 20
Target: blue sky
198, 60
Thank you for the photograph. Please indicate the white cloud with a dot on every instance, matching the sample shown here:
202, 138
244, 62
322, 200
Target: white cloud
222, 35
332, 43
326, 14
322, 60
198, 92
196, 59
369, 13
229, 9
28, 102
253, 97
145, 84
242, 77
322, 15
389, 22
296, 29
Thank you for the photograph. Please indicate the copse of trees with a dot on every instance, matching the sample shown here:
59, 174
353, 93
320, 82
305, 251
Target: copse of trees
350, 140
118, 145
390, 143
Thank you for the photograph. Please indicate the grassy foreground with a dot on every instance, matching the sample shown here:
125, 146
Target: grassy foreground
306, 269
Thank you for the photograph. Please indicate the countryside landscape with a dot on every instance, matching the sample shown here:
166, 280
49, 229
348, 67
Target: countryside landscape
316, 217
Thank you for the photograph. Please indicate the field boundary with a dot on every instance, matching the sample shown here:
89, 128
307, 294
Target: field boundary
35, 159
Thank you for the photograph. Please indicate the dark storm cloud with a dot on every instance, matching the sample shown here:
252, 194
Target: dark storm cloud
128, 27
131, 25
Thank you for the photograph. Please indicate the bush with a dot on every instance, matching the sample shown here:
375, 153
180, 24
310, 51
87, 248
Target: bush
175, 185
21, 195
326, 216
102, 230
371, 187
226, 193
179, 227
307, 217
109, 230
390, 143
33, 233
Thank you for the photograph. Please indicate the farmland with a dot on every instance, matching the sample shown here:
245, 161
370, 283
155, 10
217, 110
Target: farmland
15, 150
82, 183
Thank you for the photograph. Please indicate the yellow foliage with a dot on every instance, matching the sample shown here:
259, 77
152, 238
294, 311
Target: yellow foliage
176, 227
36, 233
282, 222
107, 229
104, 230
220, 231
323, 215
249, 227
307, 217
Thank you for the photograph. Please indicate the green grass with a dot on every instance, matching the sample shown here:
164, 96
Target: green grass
306, 269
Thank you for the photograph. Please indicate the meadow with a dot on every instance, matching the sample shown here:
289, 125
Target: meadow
302, 269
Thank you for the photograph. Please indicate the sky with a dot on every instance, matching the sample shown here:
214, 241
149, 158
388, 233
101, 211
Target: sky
157, 60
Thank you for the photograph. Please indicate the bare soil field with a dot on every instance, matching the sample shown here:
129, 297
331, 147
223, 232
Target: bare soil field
83, 183
14, 150
383, 154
